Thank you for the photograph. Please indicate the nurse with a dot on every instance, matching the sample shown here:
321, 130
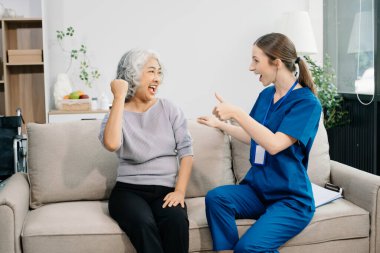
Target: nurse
280, 128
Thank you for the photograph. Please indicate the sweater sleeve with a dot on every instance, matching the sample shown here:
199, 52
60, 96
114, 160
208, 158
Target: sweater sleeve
181, 132
102, 127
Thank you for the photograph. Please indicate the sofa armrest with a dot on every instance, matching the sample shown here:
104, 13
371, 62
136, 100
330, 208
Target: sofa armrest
362, 189
14, 205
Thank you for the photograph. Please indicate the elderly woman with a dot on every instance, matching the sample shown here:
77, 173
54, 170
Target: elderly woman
151, 139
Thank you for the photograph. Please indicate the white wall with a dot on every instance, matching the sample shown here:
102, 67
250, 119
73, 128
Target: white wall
205, 45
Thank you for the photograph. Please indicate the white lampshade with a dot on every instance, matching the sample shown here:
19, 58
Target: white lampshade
297, 26
362, 35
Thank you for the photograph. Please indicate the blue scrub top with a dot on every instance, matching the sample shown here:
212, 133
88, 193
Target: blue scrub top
284, 175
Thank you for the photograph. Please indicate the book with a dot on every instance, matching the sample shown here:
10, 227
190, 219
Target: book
323, 196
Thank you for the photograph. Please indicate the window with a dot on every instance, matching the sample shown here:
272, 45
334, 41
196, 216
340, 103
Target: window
349, 42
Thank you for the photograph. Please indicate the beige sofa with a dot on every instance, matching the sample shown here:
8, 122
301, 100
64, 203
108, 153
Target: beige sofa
61, 206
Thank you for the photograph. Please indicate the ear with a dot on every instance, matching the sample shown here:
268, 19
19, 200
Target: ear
277, 63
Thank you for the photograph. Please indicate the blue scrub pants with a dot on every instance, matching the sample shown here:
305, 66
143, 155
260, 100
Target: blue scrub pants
274, 226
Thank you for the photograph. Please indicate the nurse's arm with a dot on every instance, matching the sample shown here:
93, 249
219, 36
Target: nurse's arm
273, 143
235, 131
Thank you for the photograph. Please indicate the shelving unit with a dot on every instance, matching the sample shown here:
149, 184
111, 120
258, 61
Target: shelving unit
22, 83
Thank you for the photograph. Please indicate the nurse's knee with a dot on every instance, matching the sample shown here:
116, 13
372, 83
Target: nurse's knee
214, 196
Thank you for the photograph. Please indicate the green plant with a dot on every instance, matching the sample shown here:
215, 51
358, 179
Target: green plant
331, 100
87, 73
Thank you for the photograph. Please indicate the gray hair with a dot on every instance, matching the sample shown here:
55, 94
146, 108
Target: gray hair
130, 68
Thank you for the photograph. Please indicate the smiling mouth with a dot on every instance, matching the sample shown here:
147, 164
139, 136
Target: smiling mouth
153, 88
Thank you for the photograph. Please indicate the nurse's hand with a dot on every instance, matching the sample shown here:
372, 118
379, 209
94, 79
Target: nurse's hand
173, 199
210, 121
224, 111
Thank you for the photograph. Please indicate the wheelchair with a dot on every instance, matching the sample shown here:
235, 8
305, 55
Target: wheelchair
13, 146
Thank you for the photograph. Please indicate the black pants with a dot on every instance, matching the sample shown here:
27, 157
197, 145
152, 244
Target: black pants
151, 228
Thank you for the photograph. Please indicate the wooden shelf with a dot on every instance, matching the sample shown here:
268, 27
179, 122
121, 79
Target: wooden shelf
23, 83
24, 64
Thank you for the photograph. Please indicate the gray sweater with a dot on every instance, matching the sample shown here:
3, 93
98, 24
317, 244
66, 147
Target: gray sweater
151, 144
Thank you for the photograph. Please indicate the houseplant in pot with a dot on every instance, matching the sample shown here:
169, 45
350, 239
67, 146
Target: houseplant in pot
331, 101
87, 73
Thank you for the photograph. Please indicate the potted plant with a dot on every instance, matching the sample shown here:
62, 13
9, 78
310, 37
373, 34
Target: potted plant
64, 95
88, 74
331, 100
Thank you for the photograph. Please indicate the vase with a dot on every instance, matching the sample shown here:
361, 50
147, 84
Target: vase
62, 87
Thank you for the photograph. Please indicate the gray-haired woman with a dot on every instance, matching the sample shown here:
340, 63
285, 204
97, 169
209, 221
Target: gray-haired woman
148, 134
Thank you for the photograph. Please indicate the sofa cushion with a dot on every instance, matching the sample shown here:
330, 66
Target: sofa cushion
212, 164
67, 162
85, 226
338, 220
81, 226
319, 158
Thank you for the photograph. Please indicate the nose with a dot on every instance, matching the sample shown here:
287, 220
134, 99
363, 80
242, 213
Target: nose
252, 67
157, 78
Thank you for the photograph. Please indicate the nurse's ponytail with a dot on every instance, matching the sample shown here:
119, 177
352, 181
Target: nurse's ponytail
278, 46
305, 78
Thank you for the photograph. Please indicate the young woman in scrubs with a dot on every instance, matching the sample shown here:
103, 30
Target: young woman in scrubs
280, 129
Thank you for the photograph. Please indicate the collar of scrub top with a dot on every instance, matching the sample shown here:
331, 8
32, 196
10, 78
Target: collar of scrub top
279, 102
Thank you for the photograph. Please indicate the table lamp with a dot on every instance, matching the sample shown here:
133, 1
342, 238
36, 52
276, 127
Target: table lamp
362, 43
297, 26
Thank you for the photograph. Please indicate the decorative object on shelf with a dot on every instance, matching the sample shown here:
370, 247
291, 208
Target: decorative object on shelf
10, 13
76, 101
331, 100
87, 73
104, 102
2, 10
62, 87
94, 104
24, 55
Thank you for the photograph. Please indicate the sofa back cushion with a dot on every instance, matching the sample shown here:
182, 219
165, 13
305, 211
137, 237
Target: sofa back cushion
67, 162
212, 164
319, 158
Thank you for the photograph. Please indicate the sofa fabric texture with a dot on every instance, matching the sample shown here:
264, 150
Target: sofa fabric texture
61, 205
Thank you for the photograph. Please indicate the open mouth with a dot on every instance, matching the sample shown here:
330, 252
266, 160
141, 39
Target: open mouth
152, 88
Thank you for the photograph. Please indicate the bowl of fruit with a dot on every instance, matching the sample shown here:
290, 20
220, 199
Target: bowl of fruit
76, 101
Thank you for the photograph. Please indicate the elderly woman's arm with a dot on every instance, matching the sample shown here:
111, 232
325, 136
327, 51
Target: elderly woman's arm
178, 196
112, 130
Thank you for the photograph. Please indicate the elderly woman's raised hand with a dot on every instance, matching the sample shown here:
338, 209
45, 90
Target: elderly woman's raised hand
119, 88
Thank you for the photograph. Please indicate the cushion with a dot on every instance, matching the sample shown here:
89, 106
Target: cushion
85, 226
67, 162
319, 158
81, 226
212, 164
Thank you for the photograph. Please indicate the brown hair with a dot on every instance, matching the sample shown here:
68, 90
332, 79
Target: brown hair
278, 46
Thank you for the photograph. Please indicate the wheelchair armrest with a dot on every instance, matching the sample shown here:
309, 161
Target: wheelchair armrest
14, 205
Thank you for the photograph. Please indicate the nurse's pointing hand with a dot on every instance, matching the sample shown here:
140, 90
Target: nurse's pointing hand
219, 98
224, 110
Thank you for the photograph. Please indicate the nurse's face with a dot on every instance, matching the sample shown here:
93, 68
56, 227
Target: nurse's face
262, 66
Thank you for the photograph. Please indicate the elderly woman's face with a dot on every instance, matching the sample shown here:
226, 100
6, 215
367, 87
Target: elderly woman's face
150, 80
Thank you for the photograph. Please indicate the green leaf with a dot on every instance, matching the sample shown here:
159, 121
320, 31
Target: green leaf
331, 100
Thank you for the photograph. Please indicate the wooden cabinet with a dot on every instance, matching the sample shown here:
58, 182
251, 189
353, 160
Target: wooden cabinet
22, 69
